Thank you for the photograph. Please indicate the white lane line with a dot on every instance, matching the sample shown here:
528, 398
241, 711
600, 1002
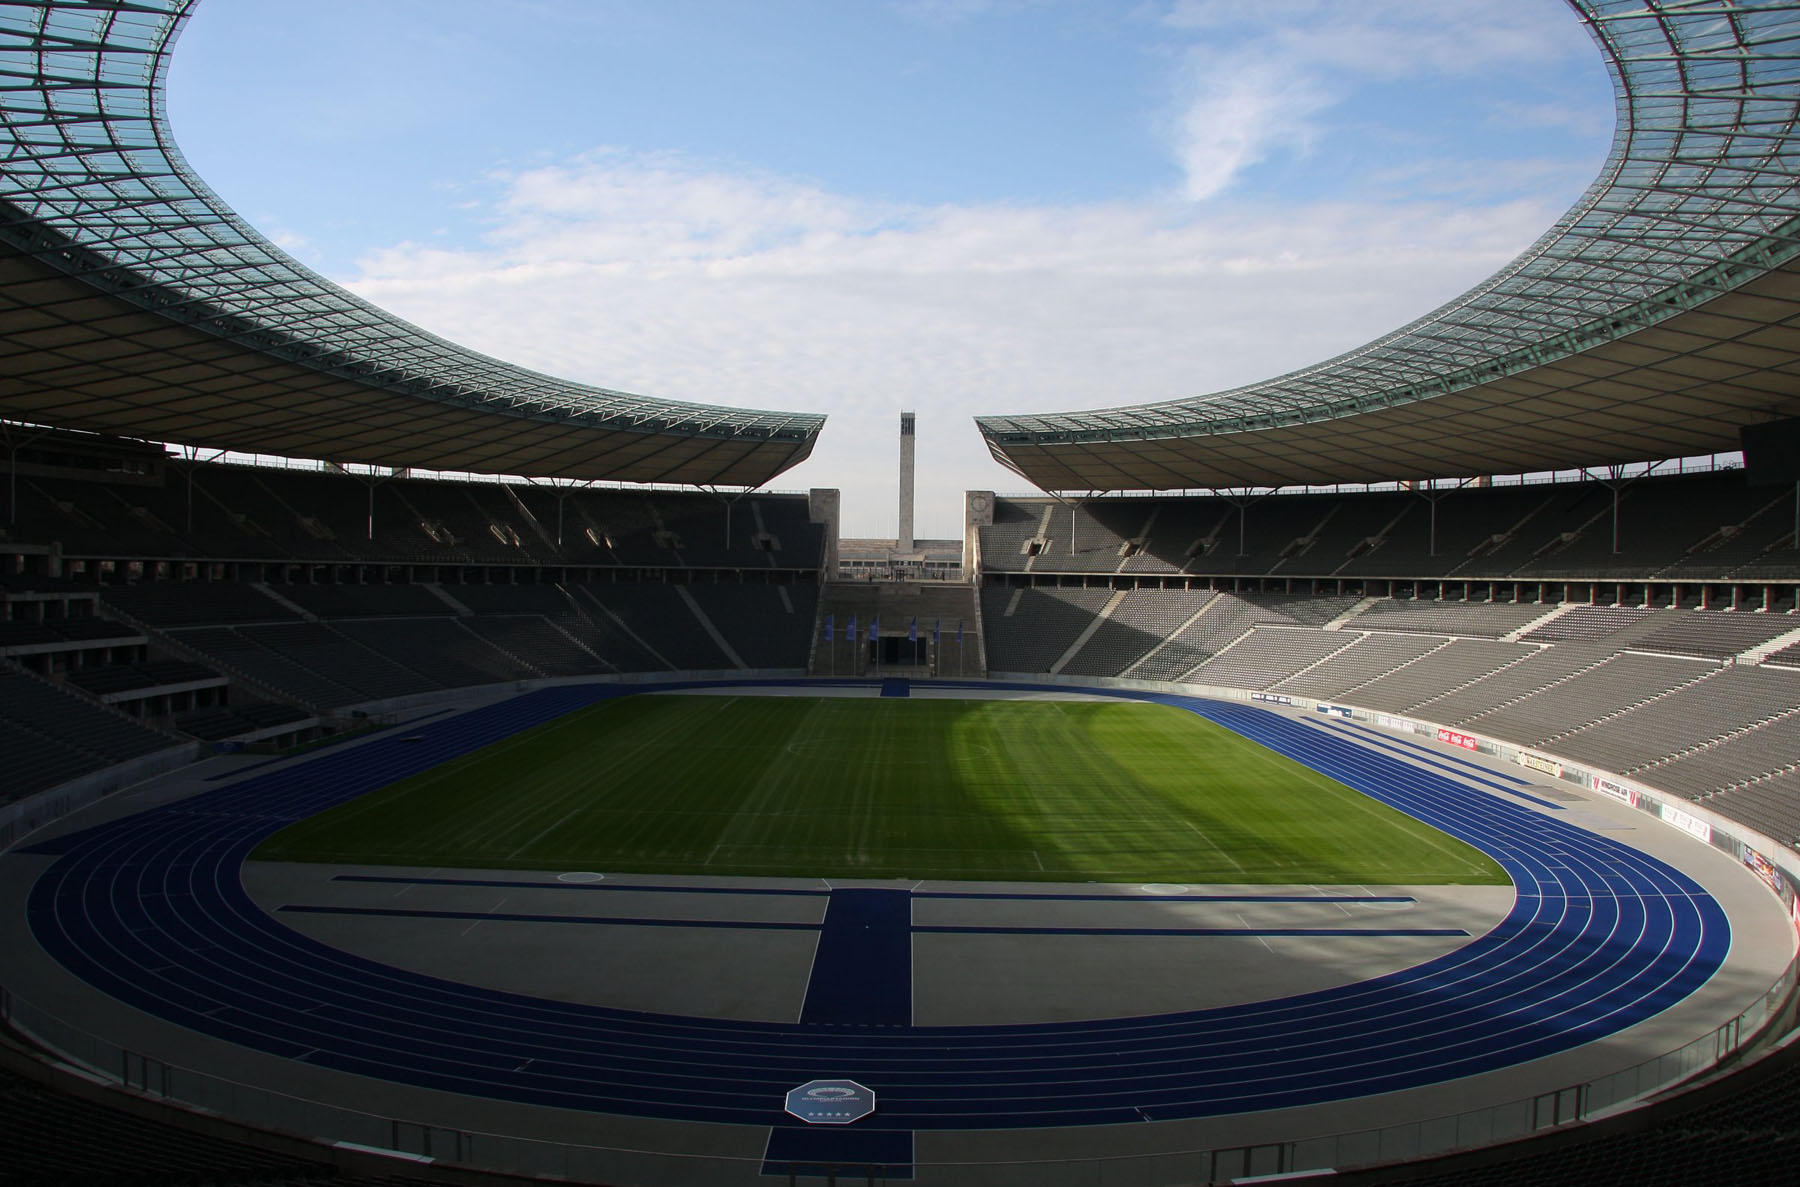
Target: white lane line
479, 922
1259, 939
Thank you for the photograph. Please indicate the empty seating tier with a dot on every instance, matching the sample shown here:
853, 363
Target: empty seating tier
1716, 634
365, 601
1770, 806
1142, 621
1763, 750
73, 721
1458, 663
1719, 705
419, 654
657, 615
1367, 658
1481, 620
196, 603
769, 626
1601, 691
1269, 655
1030, 629
1587, 622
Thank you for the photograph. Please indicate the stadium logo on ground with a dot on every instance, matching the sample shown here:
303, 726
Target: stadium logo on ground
830, 1102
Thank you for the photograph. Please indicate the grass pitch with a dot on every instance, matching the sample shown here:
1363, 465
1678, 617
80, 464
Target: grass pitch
917, 788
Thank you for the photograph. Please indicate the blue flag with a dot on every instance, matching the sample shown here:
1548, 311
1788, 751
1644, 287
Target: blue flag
912, 631
874, 628
828, 626
937, 630
959, 632
850, 630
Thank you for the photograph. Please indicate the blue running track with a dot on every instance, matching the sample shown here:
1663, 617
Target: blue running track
150, 909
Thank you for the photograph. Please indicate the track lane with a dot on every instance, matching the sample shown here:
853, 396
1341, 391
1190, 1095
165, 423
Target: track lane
151, 910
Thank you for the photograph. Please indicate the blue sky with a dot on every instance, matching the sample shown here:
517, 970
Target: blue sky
947, 206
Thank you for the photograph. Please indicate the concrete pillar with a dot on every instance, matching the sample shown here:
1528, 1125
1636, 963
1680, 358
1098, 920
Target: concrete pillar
822, 507
904, 543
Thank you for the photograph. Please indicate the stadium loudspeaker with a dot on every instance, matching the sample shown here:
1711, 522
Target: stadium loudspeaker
1772, 452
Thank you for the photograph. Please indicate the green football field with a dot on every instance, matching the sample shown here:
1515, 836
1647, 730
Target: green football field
903, 788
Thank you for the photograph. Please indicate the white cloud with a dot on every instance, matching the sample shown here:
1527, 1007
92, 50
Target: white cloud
663, 276
1260, 76
1237, 109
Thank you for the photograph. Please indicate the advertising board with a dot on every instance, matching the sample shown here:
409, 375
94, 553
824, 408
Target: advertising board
1764, 869
1617, 791
1688, 822
1538, 762
1466, 741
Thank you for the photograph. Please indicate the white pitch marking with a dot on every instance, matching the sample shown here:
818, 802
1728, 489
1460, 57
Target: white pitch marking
546, 832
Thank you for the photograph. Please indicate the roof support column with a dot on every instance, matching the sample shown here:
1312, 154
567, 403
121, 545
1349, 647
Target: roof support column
16, 438
1615, 483
1242, 503
714, 492
189, 460
373, 479
1431, 497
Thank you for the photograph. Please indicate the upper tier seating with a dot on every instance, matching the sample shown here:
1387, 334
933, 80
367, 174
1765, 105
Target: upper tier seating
263, 514
1678, 526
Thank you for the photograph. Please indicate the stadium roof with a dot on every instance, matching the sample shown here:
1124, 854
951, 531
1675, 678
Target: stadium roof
133, 301
1659, 314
